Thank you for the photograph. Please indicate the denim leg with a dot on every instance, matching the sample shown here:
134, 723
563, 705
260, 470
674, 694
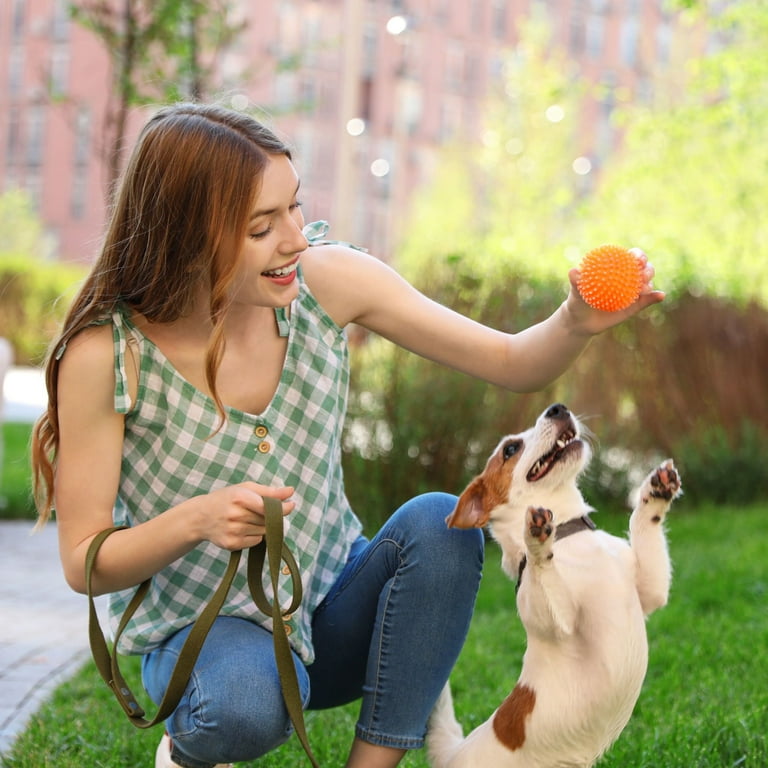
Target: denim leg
232, 709
393, 625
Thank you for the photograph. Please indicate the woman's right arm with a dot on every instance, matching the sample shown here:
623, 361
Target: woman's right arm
88, 474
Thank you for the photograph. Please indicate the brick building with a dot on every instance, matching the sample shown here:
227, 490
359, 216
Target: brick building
373, 90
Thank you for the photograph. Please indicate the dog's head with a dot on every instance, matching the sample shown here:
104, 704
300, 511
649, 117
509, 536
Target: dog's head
538, 467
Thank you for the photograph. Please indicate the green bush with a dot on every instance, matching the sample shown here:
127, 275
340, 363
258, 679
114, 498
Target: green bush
682, 380
15, 481
722, 468
36, 295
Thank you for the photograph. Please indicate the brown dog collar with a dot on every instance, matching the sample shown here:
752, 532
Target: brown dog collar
562, 531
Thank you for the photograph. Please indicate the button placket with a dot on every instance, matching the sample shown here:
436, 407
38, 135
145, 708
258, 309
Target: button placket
261, 432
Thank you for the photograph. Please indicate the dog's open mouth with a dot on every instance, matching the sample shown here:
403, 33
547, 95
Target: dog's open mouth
565, 444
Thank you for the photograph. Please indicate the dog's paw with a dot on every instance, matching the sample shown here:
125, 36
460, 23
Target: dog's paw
539, 527
663, 483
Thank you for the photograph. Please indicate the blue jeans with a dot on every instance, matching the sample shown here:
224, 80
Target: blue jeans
389, 633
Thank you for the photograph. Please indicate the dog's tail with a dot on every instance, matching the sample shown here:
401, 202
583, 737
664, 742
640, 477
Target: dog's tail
444, 733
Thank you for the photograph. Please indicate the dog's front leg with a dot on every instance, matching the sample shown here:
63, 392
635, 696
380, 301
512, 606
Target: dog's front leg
544, 600
647, 538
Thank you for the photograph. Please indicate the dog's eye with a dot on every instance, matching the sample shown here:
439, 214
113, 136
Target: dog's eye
511, 448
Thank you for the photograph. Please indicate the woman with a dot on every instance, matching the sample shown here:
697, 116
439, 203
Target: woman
203, 367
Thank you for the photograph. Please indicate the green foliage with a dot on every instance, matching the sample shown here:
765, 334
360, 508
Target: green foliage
21, 230
413, 426
35, 296
15, 481
726, 467
502, 222
704, 703
162, 50
500, 208
658, 386
34, 292
690, 182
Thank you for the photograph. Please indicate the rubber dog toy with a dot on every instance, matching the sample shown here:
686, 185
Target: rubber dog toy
611, 278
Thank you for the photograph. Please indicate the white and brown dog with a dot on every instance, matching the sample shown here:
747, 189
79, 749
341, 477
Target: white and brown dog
583, 597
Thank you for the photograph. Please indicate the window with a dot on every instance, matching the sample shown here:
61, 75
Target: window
16, 71
13, 145
17, 28
499, 22
60, 23
59, 77
629, 39
595, 36
35, 136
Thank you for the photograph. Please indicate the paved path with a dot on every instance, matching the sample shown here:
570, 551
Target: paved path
43, 625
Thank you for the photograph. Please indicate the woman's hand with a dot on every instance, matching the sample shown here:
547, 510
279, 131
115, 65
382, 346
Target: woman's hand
584, 319
233, 517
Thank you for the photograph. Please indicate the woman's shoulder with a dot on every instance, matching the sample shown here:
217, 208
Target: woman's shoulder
89, 352
342, 278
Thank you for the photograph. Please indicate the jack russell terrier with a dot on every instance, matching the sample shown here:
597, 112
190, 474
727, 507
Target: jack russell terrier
583, 596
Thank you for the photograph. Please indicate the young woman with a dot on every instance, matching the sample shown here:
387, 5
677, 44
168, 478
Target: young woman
203, 367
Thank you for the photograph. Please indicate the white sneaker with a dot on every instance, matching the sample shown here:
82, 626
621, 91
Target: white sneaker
163, 755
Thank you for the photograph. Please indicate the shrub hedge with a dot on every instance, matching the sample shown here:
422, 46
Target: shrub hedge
686, 379
35, 295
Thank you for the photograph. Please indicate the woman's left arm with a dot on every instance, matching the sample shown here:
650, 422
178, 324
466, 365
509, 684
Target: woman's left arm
355, 287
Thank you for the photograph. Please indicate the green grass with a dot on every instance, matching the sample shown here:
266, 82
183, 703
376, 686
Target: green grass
704, 703
15, 488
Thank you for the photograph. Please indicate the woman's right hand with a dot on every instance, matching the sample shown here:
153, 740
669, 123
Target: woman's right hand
233, 517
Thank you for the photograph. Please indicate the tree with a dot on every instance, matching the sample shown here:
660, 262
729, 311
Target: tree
503, 206
21, 230
691, 183
160, 50
492, 239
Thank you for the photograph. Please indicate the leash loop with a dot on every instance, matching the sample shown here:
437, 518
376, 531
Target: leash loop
272, 550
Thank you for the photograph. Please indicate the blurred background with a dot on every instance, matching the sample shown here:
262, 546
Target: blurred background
481, 147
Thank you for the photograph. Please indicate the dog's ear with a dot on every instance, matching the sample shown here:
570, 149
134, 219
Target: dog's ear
469, 511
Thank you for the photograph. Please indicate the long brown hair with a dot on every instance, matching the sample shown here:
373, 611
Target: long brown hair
178, 220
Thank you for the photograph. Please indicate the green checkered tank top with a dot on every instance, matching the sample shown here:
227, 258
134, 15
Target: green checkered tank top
170, 454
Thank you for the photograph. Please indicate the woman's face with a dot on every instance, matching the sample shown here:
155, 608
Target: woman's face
274, 240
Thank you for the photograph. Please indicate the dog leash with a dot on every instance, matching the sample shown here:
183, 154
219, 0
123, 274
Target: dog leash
273, 549
568, 528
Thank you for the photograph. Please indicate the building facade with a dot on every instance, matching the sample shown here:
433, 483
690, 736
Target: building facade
366, 90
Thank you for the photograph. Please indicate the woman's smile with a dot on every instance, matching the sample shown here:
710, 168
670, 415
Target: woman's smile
283, 275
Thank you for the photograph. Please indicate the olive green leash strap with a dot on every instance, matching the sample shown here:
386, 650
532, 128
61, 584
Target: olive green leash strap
107, 663
276, 551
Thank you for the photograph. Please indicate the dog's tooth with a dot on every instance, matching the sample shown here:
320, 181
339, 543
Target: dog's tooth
561, 443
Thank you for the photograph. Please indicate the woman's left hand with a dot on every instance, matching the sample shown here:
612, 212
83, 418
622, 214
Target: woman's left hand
590, 321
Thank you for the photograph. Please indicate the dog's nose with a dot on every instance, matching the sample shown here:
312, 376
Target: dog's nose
557, 411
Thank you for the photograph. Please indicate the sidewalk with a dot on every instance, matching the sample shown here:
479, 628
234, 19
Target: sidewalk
43, 625
24, 394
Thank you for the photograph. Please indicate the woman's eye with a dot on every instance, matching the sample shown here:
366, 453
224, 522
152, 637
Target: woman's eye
259, 235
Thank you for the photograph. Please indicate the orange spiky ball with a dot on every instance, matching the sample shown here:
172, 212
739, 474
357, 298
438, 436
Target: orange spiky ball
611, 278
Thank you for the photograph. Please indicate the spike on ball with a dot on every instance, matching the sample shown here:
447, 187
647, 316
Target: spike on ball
611, 278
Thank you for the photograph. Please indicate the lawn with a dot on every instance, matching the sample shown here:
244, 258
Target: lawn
704, 703
15, 488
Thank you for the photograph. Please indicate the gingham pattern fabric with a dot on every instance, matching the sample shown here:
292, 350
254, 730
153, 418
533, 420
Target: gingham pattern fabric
172, 452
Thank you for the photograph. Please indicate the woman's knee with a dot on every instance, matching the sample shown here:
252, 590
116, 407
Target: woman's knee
426, 516
233, 707
233, 730
449, 556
